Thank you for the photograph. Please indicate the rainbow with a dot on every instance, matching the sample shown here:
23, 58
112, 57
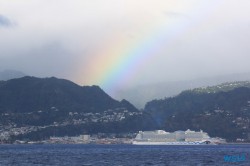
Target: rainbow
121, 60
121, 63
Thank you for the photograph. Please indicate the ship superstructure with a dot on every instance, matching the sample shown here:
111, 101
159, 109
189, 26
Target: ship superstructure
161, 137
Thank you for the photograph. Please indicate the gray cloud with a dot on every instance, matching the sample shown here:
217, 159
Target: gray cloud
4, 21
74, 39
48, 59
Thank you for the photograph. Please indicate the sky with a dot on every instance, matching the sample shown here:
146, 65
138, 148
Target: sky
118, 44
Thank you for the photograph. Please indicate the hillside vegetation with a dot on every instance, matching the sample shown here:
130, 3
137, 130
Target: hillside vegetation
36, 108
222, 111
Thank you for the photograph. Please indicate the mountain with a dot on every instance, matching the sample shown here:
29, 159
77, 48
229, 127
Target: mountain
35, 108
224, 87
10, 74
29, 94
140, 95
222, 111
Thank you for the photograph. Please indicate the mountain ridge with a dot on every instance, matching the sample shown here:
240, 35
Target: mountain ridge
34, 108
141, 94
31, 93
223, 114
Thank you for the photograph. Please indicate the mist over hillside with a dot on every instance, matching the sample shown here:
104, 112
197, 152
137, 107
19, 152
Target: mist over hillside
139, 95
10, 74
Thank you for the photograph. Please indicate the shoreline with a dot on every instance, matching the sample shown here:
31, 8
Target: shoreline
230, 143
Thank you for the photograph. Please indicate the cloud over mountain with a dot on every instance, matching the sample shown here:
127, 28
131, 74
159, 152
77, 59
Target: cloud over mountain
119, 44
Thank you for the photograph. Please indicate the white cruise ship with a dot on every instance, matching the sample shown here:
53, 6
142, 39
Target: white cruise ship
161, 137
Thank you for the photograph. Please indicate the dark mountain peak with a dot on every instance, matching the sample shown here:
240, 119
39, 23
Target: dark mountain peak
127, 104
31, 94
124, 101
46, 79
52, 106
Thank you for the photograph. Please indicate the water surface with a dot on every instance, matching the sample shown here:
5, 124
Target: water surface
123, 155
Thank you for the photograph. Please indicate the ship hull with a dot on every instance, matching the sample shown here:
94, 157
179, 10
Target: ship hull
169, 143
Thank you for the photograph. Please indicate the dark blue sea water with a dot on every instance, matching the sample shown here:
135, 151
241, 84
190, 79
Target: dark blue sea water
122, 155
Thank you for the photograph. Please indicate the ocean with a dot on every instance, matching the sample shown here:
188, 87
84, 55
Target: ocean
123, 155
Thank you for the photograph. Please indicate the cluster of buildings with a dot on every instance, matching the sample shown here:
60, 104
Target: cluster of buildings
145, 137
107, 116
82, 139
8, 130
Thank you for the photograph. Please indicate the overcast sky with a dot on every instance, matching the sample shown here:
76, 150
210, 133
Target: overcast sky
120, 43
